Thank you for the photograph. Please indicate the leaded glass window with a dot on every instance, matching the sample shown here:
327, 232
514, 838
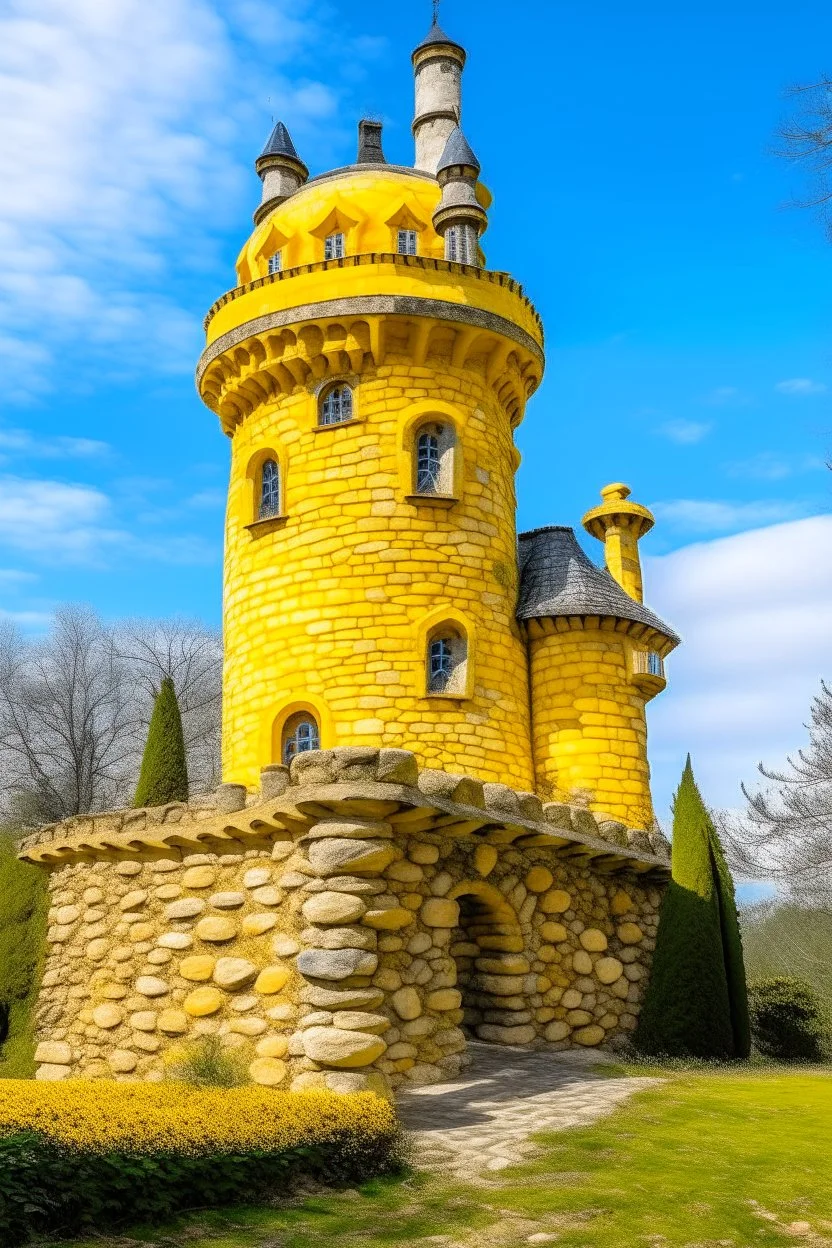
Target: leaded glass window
337, 406
407, 243
427, 464
440, 664
334, 247
301, 735
269, 491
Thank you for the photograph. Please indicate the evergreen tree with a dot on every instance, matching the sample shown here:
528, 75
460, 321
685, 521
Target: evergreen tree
696, 1004
164, 774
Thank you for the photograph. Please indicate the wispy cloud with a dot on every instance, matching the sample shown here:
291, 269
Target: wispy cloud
692, 515
770, 466
685, 432
21, 442
725, 396
121, 122
800, 386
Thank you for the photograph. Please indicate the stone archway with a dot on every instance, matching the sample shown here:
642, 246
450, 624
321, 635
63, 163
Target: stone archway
488, 948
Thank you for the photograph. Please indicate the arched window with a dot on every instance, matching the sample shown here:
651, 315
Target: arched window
300, 733
336, 407
269, 505
433, 459
447, 661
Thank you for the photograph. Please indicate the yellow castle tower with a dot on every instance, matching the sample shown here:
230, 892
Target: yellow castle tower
370, 372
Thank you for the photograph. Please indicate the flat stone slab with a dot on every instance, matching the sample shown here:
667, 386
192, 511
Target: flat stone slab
482, 1121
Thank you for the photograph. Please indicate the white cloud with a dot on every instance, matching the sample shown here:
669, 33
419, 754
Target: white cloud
685, 432
694, 515
118, 162
753, 611
724, 396
800, 385
769, 466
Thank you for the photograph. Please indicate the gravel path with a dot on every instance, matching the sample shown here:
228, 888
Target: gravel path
481, 1121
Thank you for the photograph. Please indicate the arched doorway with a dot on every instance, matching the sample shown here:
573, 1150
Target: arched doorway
488, 948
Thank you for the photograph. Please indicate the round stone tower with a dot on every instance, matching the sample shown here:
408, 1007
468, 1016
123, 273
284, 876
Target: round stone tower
370, 387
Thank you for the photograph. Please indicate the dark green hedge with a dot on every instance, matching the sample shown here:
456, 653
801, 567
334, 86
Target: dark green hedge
788, 1021
47, 1190
24, 902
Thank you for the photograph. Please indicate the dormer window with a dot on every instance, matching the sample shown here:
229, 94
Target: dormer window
276, 262
334, 247
336, 406
406, 242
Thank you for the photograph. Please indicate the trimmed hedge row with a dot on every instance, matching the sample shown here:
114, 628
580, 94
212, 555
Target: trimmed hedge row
76, 1155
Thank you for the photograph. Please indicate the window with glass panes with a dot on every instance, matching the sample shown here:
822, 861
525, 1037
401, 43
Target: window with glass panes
334, 247
269, 490
275, 262
427, 464
336, 406
407, 242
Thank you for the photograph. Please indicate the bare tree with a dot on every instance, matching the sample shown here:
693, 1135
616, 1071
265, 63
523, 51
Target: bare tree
806, 140
74, 710
67, 720
191, 655
786, 834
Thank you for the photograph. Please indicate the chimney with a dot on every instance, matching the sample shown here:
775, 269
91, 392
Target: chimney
369, 143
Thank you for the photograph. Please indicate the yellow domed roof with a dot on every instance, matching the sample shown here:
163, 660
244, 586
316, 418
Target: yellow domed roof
367, 205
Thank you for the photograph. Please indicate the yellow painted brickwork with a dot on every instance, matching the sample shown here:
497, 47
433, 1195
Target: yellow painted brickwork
331, 609
589, 727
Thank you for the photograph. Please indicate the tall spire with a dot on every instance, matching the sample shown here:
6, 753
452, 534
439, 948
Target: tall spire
438, 62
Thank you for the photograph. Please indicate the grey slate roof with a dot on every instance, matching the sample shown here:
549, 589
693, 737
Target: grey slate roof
280, 143
437, 35
558, 579
457, 152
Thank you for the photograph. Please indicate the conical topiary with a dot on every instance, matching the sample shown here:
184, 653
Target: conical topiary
164, 774
696, 1004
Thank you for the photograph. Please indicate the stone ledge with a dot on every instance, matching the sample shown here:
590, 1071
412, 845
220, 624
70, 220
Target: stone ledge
366, 782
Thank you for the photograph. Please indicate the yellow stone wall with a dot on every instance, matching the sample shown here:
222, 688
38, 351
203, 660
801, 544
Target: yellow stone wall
589, 728
331, 609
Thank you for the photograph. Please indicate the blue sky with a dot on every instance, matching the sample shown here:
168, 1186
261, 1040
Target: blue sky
636, 197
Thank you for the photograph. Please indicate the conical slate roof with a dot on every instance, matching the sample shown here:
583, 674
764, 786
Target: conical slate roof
457, 152
558, 579
280, 143
437, 35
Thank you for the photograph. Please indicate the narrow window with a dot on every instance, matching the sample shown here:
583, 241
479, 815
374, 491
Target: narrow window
276, 262
336, 406
334, 247
447, 662
299, 735
407, 243
655, 666
461, 244
441, 665
427, 464
269, 491
452, 243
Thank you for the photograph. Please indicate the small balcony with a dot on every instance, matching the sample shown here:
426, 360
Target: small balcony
648, 672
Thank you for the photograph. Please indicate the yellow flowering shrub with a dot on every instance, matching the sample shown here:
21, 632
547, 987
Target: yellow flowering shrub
98, 1116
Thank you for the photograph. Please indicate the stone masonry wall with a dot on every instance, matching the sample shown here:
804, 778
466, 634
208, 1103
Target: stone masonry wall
343, 950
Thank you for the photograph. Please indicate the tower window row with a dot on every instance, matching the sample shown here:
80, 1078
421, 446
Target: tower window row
335, 248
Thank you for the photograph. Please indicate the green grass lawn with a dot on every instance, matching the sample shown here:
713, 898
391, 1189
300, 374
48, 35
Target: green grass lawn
735, 1160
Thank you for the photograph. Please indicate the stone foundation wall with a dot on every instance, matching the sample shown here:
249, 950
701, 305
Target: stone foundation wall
345, 935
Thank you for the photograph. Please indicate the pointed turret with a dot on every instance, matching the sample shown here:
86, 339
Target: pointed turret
437, 65
460, 218
280, 169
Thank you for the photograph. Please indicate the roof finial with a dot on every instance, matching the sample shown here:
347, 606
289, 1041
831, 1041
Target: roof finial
436, 4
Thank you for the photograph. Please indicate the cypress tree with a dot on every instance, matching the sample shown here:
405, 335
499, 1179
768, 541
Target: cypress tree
696, 1004
164, 773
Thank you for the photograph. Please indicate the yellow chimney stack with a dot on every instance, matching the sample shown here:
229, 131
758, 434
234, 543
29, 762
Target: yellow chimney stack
619, 524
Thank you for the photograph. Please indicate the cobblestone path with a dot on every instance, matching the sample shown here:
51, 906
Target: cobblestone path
481, 1121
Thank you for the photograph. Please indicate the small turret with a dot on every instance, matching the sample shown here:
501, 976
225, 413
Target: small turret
620, 525
437, 65
280, 169
460, 218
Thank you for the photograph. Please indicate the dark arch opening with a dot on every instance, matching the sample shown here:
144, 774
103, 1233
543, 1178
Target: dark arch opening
486, 946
